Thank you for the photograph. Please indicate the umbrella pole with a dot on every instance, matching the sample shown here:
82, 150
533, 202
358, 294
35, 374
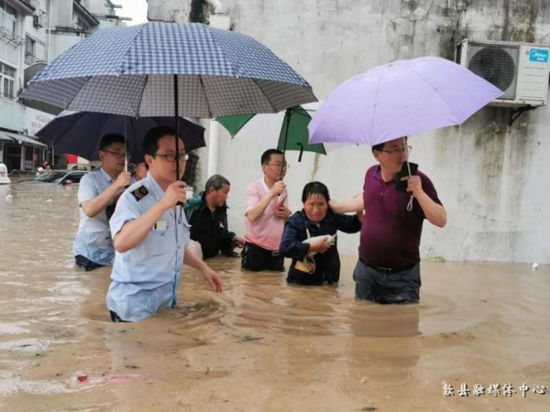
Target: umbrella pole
177, 128
289, 113
125, 147
410, 204
407, 152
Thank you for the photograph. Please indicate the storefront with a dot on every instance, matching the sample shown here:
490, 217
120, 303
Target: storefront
21, 152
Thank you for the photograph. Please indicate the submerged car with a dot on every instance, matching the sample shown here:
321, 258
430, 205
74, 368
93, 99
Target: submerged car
4, 179
60, 177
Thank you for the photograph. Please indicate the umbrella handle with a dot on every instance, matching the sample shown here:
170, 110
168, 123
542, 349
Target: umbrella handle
301, 151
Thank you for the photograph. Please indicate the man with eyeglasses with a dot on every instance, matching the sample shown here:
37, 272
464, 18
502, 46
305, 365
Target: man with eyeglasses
266, 211
151, 235
388, 270
93, 246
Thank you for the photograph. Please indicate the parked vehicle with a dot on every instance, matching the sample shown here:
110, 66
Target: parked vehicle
4, 179
79, 166
60, 177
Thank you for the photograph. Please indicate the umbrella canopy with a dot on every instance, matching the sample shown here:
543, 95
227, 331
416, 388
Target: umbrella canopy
132, 71
81, 133
294, 134
400, 99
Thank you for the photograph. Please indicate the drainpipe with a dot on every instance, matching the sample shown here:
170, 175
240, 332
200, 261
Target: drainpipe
222, 21
48, 51
213, 144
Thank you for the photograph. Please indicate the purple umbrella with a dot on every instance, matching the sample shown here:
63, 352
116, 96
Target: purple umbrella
399, 99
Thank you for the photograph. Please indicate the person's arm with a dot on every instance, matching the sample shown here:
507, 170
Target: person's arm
292, 245
208, 274
95, 206
348, 223
254, 214
352, 205
434, 212
134, 231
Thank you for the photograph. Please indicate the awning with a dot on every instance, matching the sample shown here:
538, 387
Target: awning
20, 139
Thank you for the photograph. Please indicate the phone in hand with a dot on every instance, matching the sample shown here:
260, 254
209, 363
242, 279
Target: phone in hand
281, 201
401, 185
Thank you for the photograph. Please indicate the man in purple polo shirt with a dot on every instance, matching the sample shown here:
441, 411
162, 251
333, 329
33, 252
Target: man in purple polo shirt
388, 270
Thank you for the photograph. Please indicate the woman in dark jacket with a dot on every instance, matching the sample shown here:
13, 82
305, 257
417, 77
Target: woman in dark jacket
315, 219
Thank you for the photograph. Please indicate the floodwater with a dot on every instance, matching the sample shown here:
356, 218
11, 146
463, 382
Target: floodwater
262, 345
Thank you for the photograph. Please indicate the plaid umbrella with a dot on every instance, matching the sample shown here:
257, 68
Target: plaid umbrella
169, 69
131, 71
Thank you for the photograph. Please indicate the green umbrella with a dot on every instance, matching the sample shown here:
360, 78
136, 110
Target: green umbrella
294, 133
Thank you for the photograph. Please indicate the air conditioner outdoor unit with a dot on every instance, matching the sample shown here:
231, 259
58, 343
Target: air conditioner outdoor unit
519, 69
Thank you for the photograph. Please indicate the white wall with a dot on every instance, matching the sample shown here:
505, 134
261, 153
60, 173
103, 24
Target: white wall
492, 178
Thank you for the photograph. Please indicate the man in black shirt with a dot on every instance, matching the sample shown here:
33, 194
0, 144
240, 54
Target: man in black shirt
207, 215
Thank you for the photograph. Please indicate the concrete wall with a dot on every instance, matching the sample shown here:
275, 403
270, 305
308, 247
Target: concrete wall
491, 177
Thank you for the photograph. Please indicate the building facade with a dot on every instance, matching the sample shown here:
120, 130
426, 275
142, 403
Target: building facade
488, 172
33, 33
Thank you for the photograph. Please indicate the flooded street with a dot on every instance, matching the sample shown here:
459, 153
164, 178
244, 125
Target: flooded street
262, 345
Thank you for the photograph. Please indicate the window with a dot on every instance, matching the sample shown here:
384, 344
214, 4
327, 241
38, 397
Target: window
7, 81
73, 177
8, 17
109, 8
82, 25
29, 50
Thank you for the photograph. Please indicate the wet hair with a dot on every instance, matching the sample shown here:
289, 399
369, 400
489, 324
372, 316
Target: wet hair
216, 182
380, 147
315, 188
109, 139
266, 157
151, 141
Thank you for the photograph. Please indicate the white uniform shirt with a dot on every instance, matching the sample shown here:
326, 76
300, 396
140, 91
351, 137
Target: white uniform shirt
145, 278
93, 239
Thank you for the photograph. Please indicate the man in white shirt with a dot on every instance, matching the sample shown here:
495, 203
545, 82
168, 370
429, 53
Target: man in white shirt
93, 246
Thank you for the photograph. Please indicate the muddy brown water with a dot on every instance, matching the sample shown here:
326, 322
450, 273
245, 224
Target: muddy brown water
262, 345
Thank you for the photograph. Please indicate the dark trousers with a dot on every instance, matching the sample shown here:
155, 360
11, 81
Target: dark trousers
386, 288
256, 258
86, 264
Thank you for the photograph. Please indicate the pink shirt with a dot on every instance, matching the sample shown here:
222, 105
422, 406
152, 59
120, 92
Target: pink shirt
267, 231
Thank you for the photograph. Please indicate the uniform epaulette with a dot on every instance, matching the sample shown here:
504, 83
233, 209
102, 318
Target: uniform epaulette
140, 193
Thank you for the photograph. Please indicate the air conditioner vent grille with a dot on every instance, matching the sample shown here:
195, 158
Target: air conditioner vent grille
497, 65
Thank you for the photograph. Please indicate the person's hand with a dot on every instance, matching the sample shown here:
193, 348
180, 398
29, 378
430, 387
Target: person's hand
282, 212
123, 179
414, 185
174, 193
277, 188
320, 245
213, 279
239, 241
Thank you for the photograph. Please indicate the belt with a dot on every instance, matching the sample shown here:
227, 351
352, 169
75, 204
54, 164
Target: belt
274, 253
386, 270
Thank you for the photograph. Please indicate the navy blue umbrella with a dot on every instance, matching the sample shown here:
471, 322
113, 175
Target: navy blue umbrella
81, 133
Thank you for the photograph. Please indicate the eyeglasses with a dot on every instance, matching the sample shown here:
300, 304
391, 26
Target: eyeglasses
182, 157
398, 152
118, 155
279, 165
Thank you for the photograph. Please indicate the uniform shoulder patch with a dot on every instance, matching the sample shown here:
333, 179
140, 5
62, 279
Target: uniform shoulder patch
140, 193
